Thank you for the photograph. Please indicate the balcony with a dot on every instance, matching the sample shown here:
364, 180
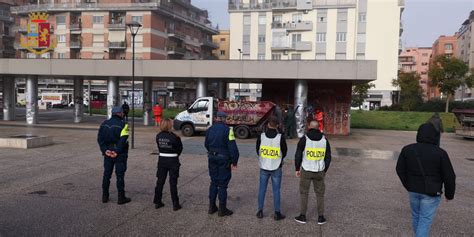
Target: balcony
117, 45
176, 35
334, 3
303, 46
176, 50
75, 28
294, 26
209, 44
75, 44
407, 60
117, 26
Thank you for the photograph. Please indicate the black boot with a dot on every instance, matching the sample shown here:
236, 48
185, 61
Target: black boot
122, 199
223, 211
212, 208
105, 197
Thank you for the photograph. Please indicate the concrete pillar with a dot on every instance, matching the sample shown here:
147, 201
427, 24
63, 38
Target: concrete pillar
78, 100
301, 101
222, 90
147, 102
9, 96
201, 88
32, 99
112, 94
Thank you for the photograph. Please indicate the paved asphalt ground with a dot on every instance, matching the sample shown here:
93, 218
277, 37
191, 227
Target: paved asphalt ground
56, 190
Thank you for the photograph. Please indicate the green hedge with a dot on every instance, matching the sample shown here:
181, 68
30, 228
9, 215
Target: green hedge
397, 120
433, 106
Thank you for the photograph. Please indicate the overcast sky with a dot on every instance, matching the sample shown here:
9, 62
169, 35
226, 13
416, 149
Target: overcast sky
424, 20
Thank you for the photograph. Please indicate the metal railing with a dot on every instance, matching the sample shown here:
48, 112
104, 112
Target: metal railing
288, 4
117, 26
117, 45
75, 44
146, 5
75, 26
176, 50
293, 26
176, 34
210, 44
335, 3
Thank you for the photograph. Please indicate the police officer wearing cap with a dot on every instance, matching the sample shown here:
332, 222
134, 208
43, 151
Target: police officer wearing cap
223, 156
112, 139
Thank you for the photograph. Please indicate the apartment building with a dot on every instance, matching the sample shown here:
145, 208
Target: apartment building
417, 59
444, 45
465, 52
321, 30
96, 29
223, 40
7, 37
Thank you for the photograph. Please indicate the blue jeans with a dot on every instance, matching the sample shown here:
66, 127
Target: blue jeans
423, 210
276, 184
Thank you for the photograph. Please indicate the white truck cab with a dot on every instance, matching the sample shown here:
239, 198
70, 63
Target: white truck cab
198, 117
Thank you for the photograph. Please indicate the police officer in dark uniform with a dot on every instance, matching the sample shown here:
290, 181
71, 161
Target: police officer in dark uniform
223, 156
112, 139
170, 148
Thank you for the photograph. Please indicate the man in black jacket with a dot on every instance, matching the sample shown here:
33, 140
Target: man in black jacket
312, 160
113, 143
271, 149
423, 168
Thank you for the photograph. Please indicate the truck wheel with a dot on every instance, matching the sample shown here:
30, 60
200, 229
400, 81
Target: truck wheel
187, 130
242, 132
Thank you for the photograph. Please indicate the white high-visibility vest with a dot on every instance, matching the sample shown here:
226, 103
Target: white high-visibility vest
269, 152
313, 156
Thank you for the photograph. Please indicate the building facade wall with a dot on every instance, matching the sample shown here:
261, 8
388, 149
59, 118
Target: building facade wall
223, 40
465, 52
417, 60
322, 30
444, 45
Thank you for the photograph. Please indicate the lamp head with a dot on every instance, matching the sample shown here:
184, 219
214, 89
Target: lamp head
134, 26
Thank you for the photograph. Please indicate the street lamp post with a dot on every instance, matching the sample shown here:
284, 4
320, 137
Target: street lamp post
134, 27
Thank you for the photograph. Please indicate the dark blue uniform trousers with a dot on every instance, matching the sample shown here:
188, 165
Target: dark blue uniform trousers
219, 170
120, 164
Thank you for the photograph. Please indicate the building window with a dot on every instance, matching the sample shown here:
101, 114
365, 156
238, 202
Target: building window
276, 56
98, 40
295, 38
261, 57
60, 20
320, 37
222, 39
296, 56
341, 37
61, 38
137, 19
360, 56
424, 55
261, 39
322, 15
223, 52
262, 20
247, 20
424, 73
320, 56
277, 18
98, 19
342, 15
448, 46
361, 38
246, 40
362, 17
61, 55
297, 17
340, 56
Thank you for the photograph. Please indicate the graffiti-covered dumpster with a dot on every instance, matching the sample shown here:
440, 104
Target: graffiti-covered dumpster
466, 122
246, 117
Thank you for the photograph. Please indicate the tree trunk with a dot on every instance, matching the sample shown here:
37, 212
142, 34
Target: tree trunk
447, 102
